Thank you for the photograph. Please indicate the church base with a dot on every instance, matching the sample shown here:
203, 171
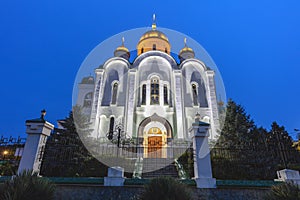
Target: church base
206, 182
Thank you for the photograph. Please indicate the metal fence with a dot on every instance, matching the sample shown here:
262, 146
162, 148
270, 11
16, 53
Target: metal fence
11, 150
227, 163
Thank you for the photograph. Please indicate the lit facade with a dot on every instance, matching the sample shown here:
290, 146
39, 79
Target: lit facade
155, 98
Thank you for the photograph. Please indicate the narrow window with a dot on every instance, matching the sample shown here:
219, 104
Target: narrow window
111, 128
165, 95
154, 46
142, 50
166, 50
154, 91
88, 100
144, 94
195, 95
114, 93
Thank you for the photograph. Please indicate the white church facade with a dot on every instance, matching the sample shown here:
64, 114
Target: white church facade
155, 98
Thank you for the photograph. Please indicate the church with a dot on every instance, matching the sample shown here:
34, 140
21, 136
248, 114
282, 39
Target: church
153, 98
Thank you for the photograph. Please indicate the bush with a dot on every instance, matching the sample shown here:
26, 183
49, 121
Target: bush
26, 186
165, 188
285, 191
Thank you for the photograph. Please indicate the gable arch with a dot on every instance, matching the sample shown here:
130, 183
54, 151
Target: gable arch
155, 118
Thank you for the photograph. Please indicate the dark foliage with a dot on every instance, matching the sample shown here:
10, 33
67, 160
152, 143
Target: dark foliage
66, 155
166, 188
244, 151
285, 191
26, 186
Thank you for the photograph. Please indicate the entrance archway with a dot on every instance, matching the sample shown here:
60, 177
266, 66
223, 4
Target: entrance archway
154, 133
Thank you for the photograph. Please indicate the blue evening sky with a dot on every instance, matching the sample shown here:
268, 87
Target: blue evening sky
255, 44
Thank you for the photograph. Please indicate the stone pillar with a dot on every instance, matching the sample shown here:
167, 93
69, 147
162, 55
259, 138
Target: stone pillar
115, 177
288, 175
202, 163
38, 131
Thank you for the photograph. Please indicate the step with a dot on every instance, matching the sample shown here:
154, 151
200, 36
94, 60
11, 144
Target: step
164, 166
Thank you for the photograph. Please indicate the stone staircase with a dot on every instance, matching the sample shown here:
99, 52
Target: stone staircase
164, 166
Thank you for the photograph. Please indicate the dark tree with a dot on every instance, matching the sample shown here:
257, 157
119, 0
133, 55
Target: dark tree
244, 151
237, 126
65, 153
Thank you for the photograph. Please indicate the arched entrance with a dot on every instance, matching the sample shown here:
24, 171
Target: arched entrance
154, 134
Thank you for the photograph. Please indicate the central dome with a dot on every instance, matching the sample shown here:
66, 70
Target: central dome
153, 40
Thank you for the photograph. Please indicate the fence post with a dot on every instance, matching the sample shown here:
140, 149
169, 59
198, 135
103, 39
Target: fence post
38, 131
202, 162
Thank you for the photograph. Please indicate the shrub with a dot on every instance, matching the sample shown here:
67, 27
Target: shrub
285, 191
165, 188
26, 186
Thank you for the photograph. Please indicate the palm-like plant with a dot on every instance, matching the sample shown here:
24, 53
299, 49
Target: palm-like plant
165, 188
28, 186
285, 191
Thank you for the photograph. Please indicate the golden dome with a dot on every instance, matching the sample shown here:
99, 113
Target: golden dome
122, 48
153, 40
154, 34
186, 49
186, 52
122, 51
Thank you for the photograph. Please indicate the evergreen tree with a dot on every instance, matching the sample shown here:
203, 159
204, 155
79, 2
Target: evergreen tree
247, 152
280, 145
235, 133
65, 153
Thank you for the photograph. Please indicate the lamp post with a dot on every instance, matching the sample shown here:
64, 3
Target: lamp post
117, 136
5, 152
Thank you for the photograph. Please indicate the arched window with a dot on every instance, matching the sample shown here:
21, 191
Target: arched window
88, 100
154, 91
166, 95
111, 128
142, 50
195, 94
144, 94
114, 93
154, 46
166, 50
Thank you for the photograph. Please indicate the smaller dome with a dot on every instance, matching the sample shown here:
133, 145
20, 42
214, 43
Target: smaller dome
122, 51
186, 52
88, 80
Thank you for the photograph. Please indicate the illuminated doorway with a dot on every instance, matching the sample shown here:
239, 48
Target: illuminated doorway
155, 143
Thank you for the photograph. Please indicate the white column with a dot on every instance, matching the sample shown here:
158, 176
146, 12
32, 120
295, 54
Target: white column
178, 104
97, 93
202, 162
102, 129
213, 104
38, 130
161, 93
148, 89
131, 99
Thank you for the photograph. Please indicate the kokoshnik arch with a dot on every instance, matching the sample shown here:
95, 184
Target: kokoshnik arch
155, 98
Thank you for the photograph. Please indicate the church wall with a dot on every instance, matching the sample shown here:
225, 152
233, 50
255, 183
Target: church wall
128, 109
83, 91
161, 68
196, 72
115, 72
